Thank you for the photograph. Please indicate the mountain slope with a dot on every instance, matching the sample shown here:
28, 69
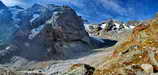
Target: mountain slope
41, 32
137, 54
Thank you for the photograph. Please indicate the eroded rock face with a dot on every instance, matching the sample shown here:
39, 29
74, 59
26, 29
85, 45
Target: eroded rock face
48, 32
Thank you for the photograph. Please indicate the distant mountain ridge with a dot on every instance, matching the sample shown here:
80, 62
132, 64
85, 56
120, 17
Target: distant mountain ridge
2, 6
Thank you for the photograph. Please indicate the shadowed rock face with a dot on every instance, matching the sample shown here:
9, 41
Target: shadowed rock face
47, 32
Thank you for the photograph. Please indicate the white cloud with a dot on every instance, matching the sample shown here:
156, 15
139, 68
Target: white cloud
26, 3
12, 2
113, 5
64, 2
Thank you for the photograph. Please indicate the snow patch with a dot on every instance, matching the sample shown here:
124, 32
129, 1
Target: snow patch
34, 17
103, 26
131, 26
126, 27
35, 31
86, 26
117, 25
7, 48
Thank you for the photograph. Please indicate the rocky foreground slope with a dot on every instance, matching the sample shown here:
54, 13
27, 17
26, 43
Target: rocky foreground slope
136, 56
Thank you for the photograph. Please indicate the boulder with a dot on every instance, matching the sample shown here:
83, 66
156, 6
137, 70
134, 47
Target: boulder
147, 68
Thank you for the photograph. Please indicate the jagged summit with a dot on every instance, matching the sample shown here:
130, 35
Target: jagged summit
2, 5
109, 25
111, 22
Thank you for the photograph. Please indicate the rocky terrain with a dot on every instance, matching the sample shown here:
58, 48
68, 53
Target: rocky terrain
53, 40
43, 39
135, 56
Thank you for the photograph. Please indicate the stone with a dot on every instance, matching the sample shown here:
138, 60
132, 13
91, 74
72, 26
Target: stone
147, 68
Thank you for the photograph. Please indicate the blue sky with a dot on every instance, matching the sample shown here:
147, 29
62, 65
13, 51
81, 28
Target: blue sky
99, 10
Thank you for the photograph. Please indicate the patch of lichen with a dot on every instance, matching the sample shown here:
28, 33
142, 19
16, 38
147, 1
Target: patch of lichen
141, 58
142, 36
124, 47
113, 69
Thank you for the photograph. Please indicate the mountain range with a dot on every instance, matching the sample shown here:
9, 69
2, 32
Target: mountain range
48, 39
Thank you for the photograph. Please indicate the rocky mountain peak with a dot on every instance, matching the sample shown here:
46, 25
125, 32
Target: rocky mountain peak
46, 32
2, 5
109, 25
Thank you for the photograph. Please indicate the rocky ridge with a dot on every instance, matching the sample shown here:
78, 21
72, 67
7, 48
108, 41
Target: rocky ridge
111, 26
